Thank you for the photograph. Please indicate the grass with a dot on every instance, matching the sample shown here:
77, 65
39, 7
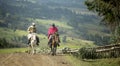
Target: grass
12, 50
58, 23
98, 62
77, 43
107, 62
5, 32
20, 33
75, 62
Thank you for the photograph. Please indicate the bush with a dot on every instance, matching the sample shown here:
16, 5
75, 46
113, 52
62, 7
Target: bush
87, 53
5, 44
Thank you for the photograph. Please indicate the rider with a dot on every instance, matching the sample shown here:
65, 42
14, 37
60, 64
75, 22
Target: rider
52, 30
32, 29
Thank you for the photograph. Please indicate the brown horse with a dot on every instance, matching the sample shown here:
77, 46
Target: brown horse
54, 44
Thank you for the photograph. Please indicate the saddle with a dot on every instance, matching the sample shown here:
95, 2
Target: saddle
53, 37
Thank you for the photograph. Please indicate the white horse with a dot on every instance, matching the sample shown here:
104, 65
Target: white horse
32, 44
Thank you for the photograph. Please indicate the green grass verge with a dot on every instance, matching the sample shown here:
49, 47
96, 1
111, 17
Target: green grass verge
75, 62
12, 50
98, 62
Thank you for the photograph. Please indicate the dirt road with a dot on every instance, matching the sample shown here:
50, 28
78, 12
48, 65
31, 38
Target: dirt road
24, 59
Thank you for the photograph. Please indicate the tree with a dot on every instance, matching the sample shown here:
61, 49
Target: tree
109, 10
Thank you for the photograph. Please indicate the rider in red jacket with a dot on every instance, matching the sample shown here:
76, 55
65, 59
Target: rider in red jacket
53, 29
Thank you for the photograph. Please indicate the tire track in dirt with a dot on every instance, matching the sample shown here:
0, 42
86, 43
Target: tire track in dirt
6, 58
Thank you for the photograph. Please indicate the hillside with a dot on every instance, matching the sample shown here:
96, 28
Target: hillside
70, 16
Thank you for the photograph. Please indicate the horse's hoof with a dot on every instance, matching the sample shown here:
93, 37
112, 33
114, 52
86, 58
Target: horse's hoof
52, 54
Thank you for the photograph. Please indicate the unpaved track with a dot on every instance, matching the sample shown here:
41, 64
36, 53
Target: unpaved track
24, 59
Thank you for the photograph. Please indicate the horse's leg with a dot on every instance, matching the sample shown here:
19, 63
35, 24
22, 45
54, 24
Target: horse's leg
30, 52
28, 49
32, 49
35, 51
52, 50
55, 49
51, 47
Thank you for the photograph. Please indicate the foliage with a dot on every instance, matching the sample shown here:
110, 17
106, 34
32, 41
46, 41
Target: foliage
87, 53
109, 11
90, 53
98, 39
5, 44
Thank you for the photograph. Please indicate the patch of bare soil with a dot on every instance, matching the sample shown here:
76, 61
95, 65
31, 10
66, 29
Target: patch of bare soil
24, 59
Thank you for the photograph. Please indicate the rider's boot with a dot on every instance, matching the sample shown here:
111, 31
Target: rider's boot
49, 41
28, 41
58, 44
59, 40
37, 41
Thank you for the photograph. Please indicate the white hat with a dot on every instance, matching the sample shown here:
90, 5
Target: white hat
33, 23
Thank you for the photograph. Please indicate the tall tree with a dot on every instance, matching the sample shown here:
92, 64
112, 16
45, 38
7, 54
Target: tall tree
109, 10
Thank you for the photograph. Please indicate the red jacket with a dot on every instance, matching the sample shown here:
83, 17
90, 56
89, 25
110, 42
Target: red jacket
52, 30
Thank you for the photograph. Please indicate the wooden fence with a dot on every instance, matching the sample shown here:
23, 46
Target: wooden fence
108, 48
107, 51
